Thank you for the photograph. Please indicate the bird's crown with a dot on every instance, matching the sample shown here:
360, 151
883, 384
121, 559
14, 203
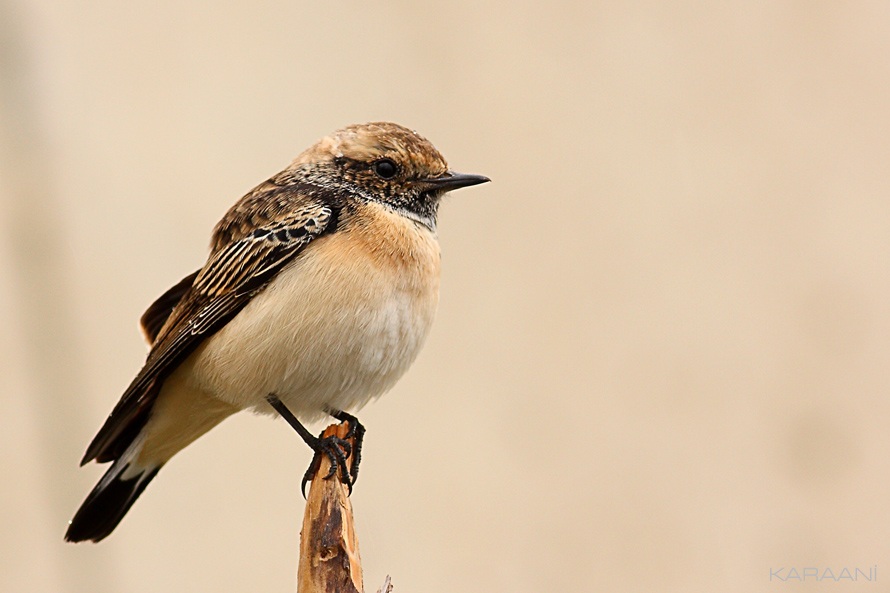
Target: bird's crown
379, 156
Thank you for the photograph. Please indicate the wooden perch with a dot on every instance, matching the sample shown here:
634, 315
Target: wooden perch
329, 559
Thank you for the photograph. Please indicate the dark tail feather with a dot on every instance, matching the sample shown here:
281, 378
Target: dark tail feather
108, 503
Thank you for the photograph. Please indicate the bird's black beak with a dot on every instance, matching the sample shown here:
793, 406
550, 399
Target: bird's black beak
452, 180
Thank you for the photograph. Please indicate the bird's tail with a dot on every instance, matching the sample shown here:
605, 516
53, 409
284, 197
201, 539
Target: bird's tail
179, 416
112, 497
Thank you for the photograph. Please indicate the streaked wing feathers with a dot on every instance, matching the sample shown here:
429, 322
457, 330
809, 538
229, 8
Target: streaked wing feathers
232, 275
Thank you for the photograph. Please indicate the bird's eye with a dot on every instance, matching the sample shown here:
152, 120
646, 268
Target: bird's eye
385, 168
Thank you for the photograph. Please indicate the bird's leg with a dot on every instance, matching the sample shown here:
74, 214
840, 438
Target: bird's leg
336, 449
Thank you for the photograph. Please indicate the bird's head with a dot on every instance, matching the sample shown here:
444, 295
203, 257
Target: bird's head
387, 163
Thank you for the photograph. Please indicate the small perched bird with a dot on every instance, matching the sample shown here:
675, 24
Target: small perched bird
320, 288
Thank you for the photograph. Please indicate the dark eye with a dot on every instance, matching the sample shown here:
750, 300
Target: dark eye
385, 168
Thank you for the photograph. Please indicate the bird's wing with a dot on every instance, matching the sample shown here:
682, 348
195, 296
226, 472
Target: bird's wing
234, 273
159, 312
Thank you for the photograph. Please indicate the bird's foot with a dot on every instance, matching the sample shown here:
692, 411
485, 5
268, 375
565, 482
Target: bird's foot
339, 452
356, 432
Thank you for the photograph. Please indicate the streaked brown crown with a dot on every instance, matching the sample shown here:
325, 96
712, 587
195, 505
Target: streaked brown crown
367, 143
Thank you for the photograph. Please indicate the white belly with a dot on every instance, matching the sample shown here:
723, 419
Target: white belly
335, 329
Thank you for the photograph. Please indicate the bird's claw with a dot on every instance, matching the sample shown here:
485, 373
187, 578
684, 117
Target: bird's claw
356, 432
337, 451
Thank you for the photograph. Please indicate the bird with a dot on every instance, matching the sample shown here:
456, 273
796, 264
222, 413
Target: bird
319, 290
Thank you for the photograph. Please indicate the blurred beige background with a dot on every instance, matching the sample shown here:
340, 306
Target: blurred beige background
660, 361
